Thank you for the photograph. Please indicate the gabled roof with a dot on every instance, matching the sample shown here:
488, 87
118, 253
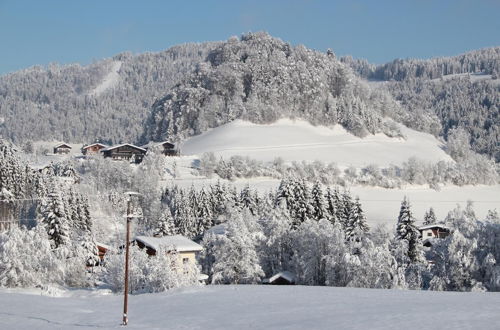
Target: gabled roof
178, 242
289, 276
123, 145
433, 226
95, 144
62, 145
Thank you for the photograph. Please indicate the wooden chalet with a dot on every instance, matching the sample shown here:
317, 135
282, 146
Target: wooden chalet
125, 151
93, 148
430, 233
62, 149
167, 148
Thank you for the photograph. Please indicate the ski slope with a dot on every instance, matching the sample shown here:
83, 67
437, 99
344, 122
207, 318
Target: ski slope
109, 80
297, 140
256, 307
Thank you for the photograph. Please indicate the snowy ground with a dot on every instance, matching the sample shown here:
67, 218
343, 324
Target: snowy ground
297, 140
256, 307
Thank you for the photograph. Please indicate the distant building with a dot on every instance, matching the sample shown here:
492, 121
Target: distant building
281, 278
184, 247
62, 149
167, 148
431, 232
125, 151
103, 249
93, 148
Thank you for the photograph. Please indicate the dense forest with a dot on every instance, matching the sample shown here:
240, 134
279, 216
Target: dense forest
261, 79
61, 103
457, 92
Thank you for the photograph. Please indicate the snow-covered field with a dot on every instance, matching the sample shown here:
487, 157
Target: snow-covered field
256, 307
297, 140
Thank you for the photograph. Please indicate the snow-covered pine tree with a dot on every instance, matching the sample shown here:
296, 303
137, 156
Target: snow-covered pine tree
302, 206
165, 225
183, 216
219, 198
193, 204
429, 217
358, 226
204, 214
54, 217
247, 200
408, 232
318, 202
333, 204
346, 211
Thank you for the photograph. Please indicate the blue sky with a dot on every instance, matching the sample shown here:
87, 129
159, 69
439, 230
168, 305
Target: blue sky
68, 31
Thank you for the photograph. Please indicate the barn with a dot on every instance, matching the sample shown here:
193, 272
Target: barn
126, 151
62, 149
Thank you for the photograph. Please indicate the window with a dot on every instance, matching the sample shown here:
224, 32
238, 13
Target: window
429, 234
185, 260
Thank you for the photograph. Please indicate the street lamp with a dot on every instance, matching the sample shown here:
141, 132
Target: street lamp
129, 216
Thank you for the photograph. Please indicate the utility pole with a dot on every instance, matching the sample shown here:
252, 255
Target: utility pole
127, 251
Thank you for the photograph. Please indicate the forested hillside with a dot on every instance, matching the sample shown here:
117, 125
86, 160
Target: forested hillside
261, 79
459, 92
188, 89
78, 103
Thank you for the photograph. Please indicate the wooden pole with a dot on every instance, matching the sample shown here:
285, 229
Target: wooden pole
127, 247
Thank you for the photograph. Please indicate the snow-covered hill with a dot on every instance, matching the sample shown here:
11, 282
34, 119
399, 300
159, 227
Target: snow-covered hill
296, 140
256, 307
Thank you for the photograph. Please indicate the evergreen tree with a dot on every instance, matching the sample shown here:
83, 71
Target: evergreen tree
346, 211
55, 219
358, 226
333, 203
407, 231
285, 195
247, 200
302, 207
165, 225
318, 202
429, 217
204, 214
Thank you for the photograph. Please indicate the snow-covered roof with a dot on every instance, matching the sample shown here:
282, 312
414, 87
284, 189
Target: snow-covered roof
179, 242
433, 226
60, 145
107, 247
95, 144
123, 145
289, 276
